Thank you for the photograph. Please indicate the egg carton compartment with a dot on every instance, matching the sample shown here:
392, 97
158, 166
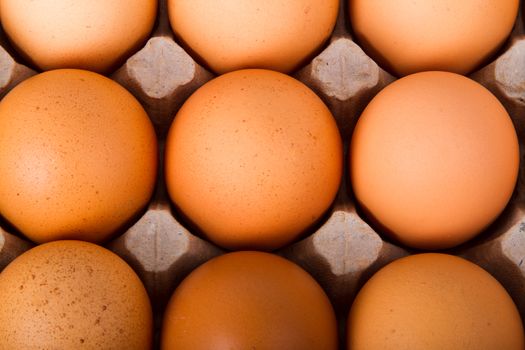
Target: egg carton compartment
343, 250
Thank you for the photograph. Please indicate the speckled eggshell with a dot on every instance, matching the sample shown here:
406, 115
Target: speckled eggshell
86, 34
73, 295
230, 34
78, 156
434, 160
253, 159
409, 36
249, 300
434, 302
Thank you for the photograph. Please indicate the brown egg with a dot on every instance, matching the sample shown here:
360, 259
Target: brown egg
229, 34
93, 35
434, 159
249, 300
253, 159
434, 302
73, 295
78, 156
407, 36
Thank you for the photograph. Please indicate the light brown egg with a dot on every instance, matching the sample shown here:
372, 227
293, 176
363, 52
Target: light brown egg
249, 300
409, 36
253, 159
78, 156
229, 34
434, 159
434, 302
73, 295
86, 34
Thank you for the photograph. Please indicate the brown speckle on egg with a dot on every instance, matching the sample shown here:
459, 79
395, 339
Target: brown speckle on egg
40, 316
79, 169
240, 182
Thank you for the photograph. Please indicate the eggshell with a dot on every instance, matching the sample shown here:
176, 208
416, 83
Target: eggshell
229, 34
86, 34
253, 159
434, 160
409, 36
434, 301
78, 156
249, 300
73, 295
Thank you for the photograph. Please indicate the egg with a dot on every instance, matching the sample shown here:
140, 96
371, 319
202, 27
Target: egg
78, 157
249, 300
434, 301
434, 160
73, 295
228, 35
253, 159
409, 36
86, 34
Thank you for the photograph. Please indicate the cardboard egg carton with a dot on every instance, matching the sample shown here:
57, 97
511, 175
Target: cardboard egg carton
342, 251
